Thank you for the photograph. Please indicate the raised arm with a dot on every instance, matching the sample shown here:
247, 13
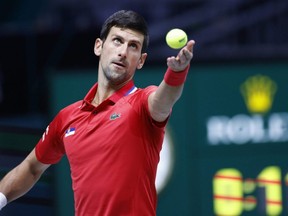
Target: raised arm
20, 180
169, 91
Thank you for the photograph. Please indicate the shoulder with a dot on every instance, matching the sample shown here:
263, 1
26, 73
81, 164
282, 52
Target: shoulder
147, 90
150, 89
64, 117
141, 94
139, 99
70, 109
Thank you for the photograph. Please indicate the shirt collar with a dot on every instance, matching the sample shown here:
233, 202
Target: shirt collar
125, 90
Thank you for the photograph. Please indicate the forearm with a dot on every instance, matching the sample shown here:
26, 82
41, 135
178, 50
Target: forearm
18, 181
170, 89
162, 101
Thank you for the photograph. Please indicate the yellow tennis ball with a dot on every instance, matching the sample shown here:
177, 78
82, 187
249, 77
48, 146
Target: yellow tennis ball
176, 38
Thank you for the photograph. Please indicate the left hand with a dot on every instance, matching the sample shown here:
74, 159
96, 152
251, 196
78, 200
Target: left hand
183, 58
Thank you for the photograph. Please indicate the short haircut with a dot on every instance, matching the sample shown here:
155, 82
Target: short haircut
126, 19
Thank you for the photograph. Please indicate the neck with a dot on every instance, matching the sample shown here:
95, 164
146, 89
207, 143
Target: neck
101, 95
106, 88
104, 92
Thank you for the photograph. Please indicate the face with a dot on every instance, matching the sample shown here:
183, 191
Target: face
120, 55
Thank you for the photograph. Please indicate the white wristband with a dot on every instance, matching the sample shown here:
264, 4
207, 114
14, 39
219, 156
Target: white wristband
3, 200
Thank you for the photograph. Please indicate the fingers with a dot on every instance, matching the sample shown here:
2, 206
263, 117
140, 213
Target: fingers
190, 45
186, 53
183, 58
173, 63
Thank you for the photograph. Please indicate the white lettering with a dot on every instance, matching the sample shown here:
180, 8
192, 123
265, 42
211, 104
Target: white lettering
216, 130
278, 130
243, 129
238, 129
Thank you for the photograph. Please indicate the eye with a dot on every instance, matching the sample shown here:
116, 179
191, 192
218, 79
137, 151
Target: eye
134, 46
117, 40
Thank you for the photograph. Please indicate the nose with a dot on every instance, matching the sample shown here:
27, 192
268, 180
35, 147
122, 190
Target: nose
123, 49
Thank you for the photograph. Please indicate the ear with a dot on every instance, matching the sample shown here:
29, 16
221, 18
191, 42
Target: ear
141, 60
98, 47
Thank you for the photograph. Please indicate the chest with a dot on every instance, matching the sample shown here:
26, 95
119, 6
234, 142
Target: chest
115, 131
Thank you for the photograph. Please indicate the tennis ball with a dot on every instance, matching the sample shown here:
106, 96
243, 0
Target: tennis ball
176, 38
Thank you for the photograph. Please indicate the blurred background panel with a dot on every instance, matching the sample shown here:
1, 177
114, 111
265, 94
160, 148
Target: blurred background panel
38, 36
228, 133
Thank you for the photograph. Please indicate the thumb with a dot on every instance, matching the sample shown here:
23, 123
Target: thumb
190, 45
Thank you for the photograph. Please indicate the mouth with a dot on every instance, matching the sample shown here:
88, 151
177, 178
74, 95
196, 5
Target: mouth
119, 64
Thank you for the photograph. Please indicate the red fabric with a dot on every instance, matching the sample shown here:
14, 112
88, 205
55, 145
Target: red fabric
173, 78
113, 151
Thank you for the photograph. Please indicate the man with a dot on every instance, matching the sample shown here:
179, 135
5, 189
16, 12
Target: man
113, 137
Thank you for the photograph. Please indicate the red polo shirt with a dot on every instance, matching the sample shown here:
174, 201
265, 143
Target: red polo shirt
113, 151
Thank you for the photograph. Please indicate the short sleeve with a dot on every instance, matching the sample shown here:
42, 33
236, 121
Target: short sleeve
50, 148
144, 98
146, 92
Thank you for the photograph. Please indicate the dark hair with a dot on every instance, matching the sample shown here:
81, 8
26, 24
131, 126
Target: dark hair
126, 19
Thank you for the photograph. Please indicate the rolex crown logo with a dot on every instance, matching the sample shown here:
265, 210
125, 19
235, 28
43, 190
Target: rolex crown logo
258, 92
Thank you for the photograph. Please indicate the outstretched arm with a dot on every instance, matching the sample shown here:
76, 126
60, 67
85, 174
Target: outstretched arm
20, 180
169, 91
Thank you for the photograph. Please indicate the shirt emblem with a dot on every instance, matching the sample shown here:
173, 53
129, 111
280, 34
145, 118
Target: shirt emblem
70, 132
115, 116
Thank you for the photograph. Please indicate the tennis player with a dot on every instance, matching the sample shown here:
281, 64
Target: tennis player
113, 137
